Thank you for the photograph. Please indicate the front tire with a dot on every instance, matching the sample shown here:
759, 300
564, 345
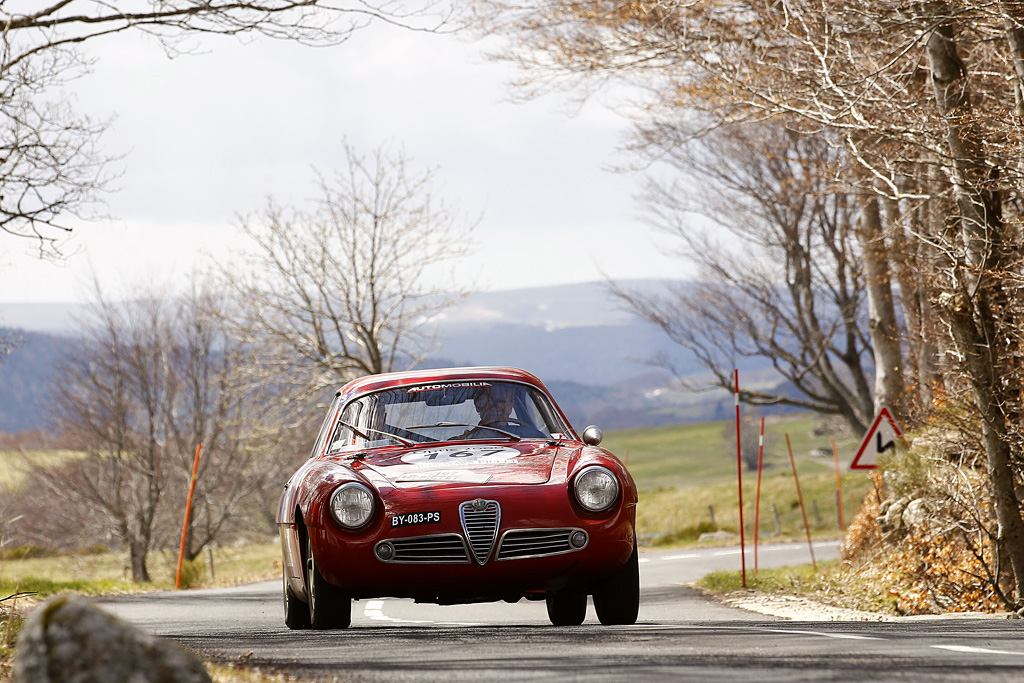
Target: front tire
617, 601
329, 608
296, 613
567, 608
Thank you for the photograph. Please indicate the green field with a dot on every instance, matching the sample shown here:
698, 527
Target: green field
681, 470
700, 454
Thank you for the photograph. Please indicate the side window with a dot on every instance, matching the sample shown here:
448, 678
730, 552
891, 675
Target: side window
325, 428
343, 436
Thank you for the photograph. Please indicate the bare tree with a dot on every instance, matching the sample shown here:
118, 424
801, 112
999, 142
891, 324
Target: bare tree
50, 168
112, 398
780, 274
155, 377
241, 463
345, 289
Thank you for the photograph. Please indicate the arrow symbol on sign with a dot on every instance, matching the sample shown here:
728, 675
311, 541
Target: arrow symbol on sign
880, 448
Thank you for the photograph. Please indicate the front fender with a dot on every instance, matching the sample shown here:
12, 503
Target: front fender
314, 489
594, 455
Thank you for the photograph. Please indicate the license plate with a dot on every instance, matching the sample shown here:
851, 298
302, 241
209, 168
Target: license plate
414, 518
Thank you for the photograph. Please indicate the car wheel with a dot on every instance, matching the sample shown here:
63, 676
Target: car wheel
567, 608
617, 601
296, 613
329, 608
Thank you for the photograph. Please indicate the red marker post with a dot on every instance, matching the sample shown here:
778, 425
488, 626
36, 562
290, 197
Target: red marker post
757, 496
739, 479
800, 497
188, 511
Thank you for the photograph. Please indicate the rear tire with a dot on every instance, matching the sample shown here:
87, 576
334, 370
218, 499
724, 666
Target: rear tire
567, 608
617, 601
329, 608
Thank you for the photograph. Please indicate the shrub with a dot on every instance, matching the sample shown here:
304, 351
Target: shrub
193, 572
926, 534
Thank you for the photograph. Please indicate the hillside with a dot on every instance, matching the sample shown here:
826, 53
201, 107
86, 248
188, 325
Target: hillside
592, 354
27, 376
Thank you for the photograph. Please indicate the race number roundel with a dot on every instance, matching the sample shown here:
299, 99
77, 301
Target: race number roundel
461, 455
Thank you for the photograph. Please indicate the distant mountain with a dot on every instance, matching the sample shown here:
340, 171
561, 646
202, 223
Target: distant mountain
27, 376
599, 354
57, 318
590, 352
573, 305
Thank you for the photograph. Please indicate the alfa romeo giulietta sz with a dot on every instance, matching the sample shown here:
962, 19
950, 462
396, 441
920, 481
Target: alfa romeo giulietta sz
457, 486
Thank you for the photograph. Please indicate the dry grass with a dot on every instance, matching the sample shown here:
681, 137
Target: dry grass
243, 673
15, 465
677, 516
106, 573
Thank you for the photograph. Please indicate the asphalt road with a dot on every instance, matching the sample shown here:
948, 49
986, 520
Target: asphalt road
680, 636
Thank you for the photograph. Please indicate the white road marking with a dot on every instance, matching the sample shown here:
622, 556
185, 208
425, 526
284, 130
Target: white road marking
695, 627
690, 556
375, 610
823, 634
727, 552
977, 650
643, 559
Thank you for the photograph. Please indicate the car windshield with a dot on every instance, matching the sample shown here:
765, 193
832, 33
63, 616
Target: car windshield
447, 411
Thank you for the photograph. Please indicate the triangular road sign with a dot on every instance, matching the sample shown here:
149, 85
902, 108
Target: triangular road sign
883, 435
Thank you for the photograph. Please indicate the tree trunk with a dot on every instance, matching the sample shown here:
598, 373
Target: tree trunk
883, 327
910, 259
985, 385
137, 553
978, 290
1013, 20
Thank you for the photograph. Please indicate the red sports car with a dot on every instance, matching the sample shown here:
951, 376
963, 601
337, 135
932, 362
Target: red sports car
457, 486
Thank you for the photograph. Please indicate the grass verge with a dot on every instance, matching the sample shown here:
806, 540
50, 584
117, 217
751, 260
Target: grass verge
104, 574
832, 583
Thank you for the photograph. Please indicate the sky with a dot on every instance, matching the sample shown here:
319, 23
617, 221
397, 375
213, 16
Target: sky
205, 138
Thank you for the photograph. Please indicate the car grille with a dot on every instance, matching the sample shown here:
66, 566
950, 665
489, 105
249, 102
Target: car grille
520, 543
480, 520
438, 549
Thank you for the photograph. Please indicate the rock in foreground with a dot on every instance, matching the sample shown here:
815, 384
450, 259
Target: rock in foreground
69, 640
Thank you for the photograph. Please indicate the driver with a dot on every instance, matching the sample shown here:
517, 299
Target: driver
494, 404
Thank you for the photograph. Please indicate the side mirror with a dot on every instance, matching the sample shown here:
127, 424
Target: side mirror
592, 435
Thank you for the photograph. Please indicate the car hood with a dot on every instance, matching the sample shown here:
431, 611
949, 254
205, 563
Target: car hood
523, 462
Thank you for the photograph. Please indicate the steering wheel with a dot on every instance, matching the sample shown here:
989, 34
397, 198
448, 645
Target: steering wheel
506, 420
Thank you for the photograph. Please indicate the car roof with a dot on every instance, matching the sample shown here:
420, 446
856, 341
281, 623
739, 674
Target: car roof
389, 380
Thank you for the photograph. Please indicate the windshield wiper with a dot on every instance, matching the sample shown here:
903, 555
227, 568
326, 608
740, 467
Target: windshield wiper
357, 432
514, 437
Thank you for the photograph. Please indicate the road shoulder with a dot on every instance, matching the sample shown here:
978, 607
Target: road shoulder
799, 608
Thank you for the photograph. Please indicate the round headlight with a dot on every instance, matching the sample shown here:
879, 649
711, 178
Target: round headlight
596, 489
352, 505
